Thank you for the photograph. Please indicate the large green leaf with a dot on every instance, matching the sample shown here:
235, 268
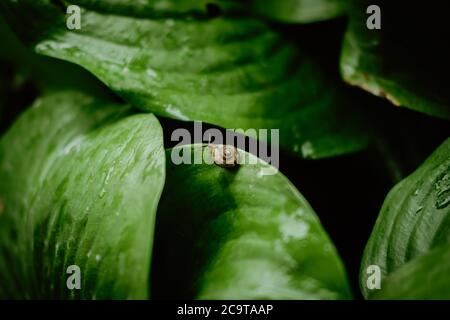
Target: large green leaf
25, 74
179, 60
406, 61
80, 179
414, 219
44, 72
426, 277
239, 234
300, 11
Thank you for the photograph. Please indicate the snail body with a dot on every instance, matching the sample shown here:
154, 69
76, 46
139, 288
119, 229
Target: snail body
225, 156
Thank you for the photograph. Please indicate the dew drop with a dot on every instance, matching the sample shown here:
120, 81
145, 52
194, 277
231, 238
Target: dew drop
151, 73
174, 111
108, 175
442, 187
170, 23
102, 193
260, 173
443, 202
307, 149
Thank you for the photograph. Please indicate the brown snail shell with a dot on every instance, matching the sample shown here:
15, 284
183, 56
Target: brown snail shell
225, 156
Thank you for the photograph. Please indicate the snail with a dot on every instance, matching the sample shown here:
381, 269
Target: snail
225, 156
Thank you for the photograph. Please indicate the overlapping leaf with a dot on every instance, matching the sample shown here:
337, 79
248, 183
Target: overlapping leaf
414, 219
25, 74
239, 234
80, 179
424, 278
406, 61
184, 62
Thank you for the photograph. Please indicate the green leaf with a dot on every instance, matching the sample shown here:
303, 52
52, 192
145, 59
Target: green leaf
424, 278
25, 74
406, 61
300, 11
179, 62
44, 72
414, 219
80, 179
238, 234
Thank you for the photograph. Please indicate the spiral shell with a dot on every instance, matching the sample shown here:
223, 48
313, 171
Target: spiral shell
225, 156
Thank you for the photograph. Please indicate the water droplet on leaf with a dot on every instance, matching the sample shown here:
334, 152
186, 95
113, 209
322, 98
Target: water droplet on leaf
442, 187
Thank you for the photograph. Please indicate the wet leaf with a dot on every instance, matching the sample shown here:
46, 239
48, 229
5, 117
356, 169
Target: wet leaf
240, 233
414, 219
406, 61
238, 74
80, 179
424, 278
